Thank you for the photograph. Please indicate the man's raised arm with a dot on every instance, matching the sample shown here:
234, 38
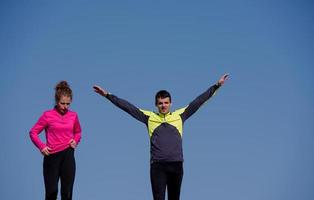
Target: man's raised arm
201, 99
123, 104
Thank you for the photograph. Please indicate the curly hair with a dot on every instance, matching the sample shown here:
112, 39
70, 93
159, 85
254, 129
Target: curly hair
62, 89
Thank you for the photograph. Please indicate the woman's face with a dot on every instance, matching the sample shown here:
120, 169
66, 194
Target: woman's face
64, 104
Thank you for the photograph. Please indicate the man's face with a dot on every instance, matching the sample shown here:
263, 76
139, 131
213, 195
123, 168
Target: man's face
163, 105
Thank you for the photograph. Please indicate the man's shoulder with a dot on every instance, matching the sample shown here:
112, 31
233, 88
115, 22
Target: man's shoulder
147, 112
179, 111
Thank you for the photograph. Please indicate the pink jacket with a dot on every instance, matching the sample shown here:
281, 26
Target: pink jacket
59, 129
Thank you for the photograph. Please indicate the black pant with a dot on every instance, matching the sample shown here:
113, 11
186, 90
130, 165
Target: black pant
59, 165
166, 175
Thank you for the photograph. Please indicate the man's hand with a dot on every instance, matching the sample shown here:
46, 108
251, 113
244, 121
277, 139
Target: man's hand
100, 91
223, 79
72, 143
46, 151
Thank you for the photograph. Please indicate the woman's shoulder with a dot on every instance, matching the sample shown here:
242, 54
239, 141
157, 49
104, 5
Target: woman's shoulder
49, 112
71, 112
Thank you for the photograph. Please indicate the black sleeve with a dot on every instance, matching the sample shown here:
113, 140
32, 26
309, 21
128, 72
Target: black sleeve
128, 107
198, 102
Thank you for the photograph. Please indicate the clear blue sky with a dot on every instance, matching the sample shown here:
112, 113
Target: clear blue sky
254, 140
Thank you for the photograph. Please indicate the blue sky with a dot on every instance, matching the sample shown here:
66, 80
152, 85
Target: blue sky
252, 141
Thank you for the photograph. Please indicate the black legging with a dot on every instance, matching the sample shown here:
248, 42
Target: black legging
59, 165
166, 174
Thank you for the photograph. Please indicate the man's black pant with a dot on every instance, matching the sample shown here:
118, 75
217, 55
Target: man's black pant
59, 165
166, 175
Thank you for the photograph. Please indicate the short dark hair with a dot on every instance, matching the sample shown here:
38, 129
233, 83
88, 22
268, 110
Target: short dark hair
162, 94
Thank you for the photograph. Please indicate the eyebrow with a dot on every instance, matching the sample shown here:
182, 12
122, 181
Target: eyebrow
163, 102
64, 103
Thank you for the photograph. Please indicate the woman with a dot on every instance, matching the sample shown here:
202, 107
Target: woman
63, 133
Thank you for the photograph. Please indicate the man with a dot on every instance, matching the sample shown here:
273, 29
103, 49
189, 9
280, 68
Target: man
165, 131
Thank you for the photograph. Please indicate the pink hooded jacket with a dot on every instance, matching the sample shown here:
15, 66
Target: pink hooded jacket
59, 129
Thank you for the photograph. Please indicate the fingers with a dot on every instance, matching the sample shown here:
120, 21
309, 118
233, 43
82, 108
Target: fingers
96, 87
72, 143
46, 151
223, 79
100, 90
